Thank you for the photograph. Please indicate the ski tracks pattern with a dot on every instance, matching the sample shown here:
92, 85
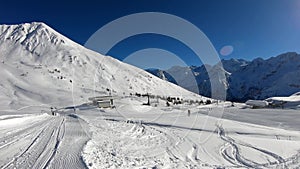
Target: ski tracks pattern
231, 152
56, 142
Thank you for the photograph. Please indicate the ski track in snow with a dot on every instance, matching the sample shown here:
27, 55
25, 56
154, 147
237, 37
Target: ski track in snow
53, 142
231, 152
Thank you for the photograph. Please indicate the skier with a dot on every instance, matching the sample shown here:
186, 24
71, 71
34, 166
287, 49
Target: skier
52, 111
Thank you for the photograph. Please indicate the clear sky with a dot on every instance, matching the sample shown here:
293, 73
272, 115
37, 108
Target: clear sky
246, 28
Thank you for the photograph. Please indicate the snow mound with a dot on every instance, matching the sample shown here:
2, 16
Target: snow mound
292, 101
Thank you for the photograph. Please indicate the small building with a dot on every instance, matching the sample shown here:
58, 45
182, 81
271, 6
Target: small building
104, 104
102, 101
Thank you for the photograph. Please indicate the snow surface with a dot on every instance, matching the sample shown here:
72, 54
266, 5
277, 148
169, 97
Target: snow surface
126, 138
292, 101
40, 69
293, 98
257, 103
137, 136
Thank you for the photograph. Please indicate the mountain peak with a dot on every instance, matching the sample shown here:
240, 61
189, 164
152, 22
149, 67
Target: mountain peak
288, 55
24, 28
35, 37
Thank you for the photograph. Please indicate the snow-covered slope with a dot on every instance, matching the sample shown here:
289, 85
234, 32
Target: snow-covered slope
162, 75
41, 66
292, 101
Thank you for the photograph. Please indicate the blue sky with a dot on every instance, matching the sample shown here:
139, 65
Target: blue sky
251, 28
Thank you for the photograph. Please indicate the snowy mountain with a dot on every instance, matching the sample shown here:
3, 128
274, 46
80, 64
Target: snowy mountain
260, 79
162, 75
257, 79
39, 65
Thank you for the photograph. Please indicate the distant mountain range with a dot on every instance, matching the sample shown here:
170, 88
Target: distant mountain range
256, 79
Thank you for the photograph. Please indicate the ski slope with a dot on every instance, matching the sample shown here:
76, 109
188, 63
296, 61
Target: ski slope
41, 141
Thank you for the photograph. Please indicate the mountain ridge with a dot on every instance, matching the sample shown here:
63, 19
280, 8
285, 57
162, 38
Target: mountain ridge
256, 79
41, 66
